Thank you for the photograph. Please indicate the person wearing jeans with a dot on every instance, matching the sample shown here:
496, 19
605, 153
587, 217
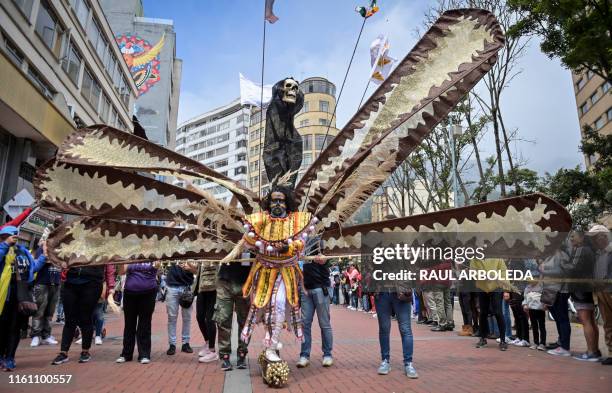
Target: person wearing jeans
400, 303
46, 294
179, 280
315, 297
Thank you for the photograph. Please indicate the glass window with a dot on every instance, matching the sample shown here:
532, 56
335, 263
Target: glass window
240, 144
16, 55
221, 150
594, 97
121, 125
306, 160
584, 108
90, 89
254, 166
323, 122
323, 106
48, 27
105, 108
306, 106
307, 142
224, 126
81, 8
72, 63
581, 82
124, 91
599, 123
319, 141
113, 119
40, 83
304, 123
93, 32
240, 170
610, 114
25, 6
241, 157
605, 87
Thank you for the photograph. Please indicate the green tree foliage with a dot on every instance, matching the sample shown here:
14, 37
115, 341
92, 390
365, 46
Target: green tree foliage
579, 32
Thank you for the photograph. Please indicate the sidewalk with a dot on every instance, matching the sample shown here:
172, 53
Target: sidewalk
445, 362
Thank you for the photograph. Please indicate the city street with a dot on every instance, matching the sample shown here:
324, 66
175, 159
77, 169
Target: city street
445, 363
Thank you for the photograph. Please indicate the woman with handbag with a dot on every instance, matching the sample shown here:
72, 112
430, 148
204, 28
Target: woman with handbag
17, 267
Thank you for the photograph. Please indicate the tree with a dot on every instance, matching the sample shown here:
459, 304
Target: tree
579, 32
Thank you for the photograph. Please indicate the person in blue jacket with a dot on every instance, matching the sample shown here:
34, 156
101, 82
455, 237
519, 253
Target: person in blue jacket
14, 259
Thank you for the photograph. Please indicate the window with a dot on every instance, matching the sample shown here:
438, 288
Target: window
81, 8
93, 32
224, 126
48, 28
254, 166
40, 83
594, 97
581, 82
221, 150
113, 119
121, 125
240, 144
319, 142
306, 106
25, 6
90, 89
15, 54
599, 123
306, 160
254, 181
304, 123
72, 63
605, 87
590, 74
323, 106
610, 114
584, 108
241, 157
241, 170
105, 108
124, 91
307, 142
323, 122
220, 164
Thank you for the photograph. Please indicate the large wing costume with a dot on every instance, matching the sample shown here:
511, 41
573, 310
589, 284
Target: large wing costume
107, 176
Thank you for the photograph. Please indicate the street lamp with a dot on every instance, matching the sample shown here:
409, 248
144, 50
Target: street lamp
455, 131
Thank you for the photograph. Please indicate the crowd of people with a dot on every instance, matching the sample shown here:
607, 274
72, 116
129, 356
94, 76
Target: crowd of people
81, 295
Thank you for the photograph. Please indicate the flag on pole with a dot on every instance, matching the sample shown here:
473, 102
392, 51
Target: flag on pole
270, 17
380, 60
250, 92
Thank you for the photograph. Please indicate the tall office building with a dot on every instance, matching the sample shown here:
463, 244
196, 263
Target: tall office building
312, 122
58, 62
217, 139
594, 103
149, 48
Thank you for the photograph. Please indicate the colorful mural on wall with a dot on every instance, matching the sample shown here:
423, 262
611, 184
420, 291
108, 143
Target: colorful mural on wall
142, 59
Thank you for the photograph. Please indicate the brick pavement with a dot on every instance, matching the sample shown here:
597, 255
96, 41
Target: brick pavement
444, 361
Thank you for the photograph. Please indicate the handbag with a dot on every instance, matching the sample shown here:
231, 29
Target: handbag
25, 298
186, 298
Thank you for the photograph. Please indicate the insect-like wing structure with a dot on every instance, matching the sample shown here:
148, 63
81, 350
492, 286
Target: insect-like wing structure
527, 226
445, 64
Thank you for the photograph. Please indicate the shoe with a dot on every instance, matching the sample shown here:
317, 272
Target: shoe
98, 340
9, 364
503, 346
60, 359
272, 356
607, 361
431, 322
541, 347
552, 346
589, 357
209, 357
508, 340
521, 343
533, 346
481, 343
422, 322
205, 351
411, 371
559, 352
145, 361
476, 333
79, 341
384, 368
85, 357
49, 341
226, 365
328, 361
186, 348
449, 327
241, 363
171, 350
374, 315
121, 359
492, 336
303, 362
35, 341
439, 328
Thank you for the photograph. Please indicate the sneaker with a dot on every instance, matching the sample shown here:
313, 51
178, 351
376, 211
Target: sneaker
60, 358
241, 363
533, 346
411, 371
9, 364
145, 361
186, 348
384, 368
607, 361
303, 362
589, 357
98, 340
49, 341
209, 357
481, 343
79, 341
121, 359
541, 347
554, 345
328, 361
171, 350
559, 352
521, 343
439, 328
85, 357
374, 315
35, 341
226, 365
205, 351
508, 340
503, 346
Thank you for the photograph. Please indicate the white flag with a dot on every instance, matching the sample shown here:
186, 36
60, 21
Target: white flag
250, 92
380, 60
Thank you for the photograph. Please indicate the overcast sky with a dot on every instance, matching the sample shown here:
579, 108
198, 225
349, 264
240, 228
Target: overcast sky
218, 39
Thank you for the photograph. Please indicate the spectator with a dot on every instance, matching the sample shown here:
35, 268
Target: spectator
139, 293
205, 307
178, 281
16, 266
46, 293
533, 306
600, 238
